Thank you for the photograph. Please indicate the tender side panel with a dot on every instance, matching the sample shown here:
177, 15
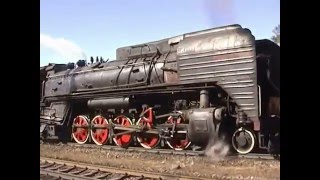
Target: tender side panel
225, 56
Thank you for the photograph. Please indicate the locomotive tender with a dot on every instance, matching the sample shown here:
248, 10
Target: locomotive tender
181, 92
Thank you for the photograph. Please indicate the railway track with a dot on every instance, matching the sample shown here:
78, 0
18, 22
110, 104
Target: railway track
62, 169
164, 151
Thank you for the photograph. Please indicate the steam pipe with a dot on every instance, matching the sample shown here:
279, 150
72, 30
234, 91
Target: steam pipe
109, 103
204, 99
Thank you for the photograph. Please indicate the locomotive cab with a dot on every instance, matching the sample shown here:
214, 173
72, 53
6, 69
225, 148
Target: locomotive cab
268, 77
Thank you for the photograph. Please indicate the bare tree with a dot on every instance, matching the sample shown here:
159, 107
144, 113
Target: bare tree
276, 37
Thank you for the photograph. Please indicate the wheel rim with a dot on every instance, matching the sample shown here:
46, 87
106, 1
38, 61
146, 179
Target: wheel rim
80, 134
179, 141
147, 140
243, 141
125, 139
99, 136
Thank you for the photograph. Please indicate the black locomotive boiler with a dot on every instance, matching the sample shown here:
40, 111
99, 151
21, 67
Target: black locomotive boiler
178, 93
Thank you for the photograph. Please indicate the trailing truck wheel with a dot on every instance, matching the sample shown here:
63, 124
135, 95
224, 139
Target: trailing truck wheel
180, 140
99, 131
80, 129
243, 140
123, 140
147, 140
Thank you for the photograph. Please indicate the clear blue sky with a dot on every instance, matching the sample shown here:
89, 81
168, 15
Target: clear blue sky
99, 27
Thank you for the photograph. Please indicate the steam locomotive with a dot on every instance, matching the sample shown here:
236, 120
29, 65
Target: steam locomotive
182, 92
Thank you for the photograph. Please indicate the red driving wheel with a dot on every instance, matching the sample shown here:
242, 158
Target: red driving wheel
147, 140
180, 140
123, 140
99, 131
80, 129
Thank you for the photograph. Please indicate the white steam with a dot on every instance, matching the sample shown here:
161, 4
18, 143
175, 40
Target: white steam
217, 149
220, 12
65, 48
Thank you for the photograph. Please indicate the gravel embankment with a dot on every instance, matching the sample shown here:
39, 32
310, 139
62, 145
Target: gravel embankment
169, 164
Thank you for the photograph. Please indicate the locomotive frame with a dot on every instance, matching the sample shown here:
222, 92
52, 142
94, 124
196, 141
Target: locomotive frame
179, 92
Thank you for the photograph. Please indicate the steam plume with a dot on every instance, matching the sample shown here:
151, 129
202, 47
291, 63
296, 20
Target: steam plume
217, 149
62, 47
220, 12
